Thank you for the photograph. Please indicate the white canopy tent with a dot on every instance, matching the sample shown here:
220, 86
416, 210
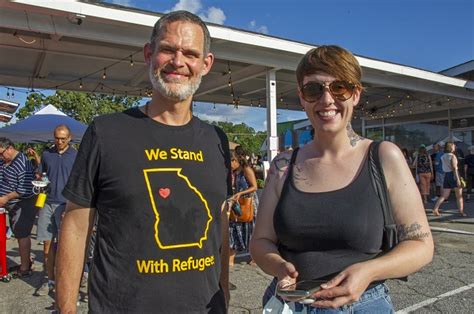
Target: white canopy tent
40, 126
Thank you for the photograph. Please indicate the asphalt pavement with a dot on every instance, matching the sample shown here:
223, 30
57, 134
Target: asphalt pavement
444, 286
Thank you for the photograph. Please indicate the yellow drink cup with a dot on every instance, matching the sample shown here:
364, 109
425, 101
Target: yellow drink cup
40, 200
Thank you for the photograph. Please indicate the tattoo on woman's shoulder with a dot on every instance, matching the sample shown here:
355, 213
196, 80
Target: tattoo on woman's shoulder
281, 162
412, 232
353, 136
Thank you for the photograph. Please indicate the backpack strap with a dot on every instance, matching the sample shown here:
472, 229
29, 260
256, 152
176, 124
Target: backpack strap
378, 182
289, 174
390, 239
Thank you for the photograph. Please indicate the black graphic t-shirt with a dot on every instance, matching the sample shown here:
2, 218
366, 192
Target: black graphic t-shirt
158, 191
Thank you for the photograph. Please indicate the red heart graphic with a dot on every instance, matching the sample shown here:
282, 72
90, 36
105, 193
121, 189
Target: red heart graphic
164, 192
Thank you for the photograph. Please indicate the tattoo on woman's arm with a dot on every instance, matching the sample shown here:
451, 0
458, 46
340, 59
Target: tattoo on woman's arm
412, 232
353, 136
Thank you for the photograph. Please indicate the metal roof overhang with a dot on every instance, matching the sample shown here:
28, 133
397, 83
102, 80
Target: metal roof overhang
42, 46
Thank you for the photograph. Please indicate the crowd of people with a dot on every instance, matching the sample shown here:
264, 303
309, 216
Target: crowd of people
442, 171
170, 196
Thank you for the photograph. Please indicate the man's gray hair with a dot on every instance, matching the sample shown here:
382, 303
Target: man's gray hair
182, 16
63, 127
5, 142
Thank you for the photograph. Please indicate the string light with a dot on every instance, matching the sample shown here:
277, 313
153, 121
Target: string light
131, 61
80, 83
235, 99
104, 75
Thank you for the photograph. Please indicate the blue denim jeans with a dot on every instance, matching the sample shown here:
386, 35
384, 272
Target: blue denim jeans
373, 300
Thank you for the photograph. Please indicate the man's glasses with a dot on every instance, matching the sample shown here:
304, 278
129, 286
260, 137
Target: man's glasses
4, 150
61, 139
340, 90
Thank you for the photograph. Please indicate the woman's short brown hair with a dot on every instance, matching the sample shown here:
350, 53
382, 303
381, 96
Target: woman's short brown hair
448, 147
333, 60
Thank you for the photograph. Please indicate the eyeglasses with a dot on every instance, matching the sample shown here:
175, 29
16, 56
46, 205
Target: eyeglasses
61, 139
340, 90
4, 150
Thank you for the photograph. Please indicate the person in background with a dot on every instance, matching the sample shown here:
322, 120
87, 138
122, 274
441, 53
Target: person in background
158, 178
56, 163
438, 169
16, 195
424, 171
244, 184
452, 179
469, 172
319, 215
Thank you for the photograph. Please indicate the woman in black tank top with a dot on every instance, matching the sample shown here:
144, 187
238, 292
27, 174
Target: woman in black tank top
319, 215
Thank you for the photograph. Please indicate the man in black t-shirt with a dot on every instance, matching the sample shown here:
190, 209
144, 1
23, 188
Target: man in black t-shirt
157, 178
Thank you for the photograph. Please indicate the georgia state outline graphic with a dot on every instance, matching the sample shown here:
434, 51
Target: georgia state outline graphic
182, 213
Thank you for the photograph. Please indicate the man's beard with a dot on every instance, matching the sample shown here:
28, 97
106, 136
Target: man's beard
178, 92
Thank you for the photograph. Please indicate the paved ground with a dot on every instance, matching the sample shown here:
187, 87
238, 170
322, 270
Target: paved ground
445, 286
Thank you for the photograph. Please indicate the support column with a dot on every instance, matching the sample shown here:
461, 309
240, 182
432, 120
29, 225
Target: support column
272, 136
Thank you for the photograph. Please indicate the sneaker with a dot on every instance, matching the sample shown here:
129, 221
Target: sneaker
434, 199
45, 289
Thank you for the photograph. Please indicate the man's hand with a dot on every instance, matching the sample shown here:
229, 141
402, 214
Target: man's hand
3, 201
346, 288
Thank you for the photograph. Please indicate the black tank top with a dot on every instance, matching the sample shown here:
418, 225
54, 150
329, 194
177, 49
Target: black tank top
323, 233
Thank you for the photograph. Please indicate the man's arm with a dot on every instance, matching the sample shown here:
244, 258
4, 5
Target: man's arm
7, 197
74, 233
224, 279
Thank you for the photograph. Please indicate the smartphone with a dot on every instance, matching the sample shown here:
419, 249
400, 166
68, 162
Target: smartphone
301, 291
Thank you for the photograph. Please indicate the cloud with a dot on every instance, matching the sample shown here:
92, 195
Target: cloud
211, 14
214, 15
258, 28
192, 6
125, 3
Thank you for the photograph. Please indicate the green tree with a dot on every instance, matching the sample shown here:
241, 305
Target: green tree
244, 135
78, 105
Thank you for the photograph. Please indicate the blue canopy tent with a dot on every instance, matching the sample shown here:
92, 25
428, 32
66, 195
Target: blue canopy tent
39, 127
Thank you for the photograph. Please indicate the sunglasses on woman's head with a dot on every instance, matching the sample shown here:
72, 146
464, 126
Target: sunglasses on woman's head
340, 90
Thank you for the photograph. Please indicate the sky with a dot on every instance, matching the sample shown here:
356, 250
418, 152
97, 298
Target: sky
429, 34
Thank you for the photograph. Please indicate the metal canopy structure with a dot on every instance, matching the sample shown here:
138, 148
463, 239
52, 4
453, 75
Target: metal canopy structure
95, 47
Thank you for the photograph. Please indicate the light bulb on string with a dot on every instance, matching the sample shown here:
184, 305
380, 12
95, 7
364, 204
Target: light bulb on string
104, 75
131, 61
8, 93
80, 83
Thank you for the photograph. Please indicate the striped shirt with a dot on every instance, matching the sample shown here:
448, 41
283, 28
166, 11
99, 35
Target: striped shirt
17, 177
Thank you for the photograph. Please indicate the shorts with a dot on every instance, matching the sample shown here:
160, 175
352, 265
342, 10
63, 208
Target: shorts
449, 181
439, 179
49, 220
22, 217
373, 300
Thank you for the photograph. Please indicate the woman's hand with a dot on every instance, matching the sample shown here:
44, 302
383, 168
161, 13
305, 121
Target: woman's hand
236, 197
346, 288
287, 274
